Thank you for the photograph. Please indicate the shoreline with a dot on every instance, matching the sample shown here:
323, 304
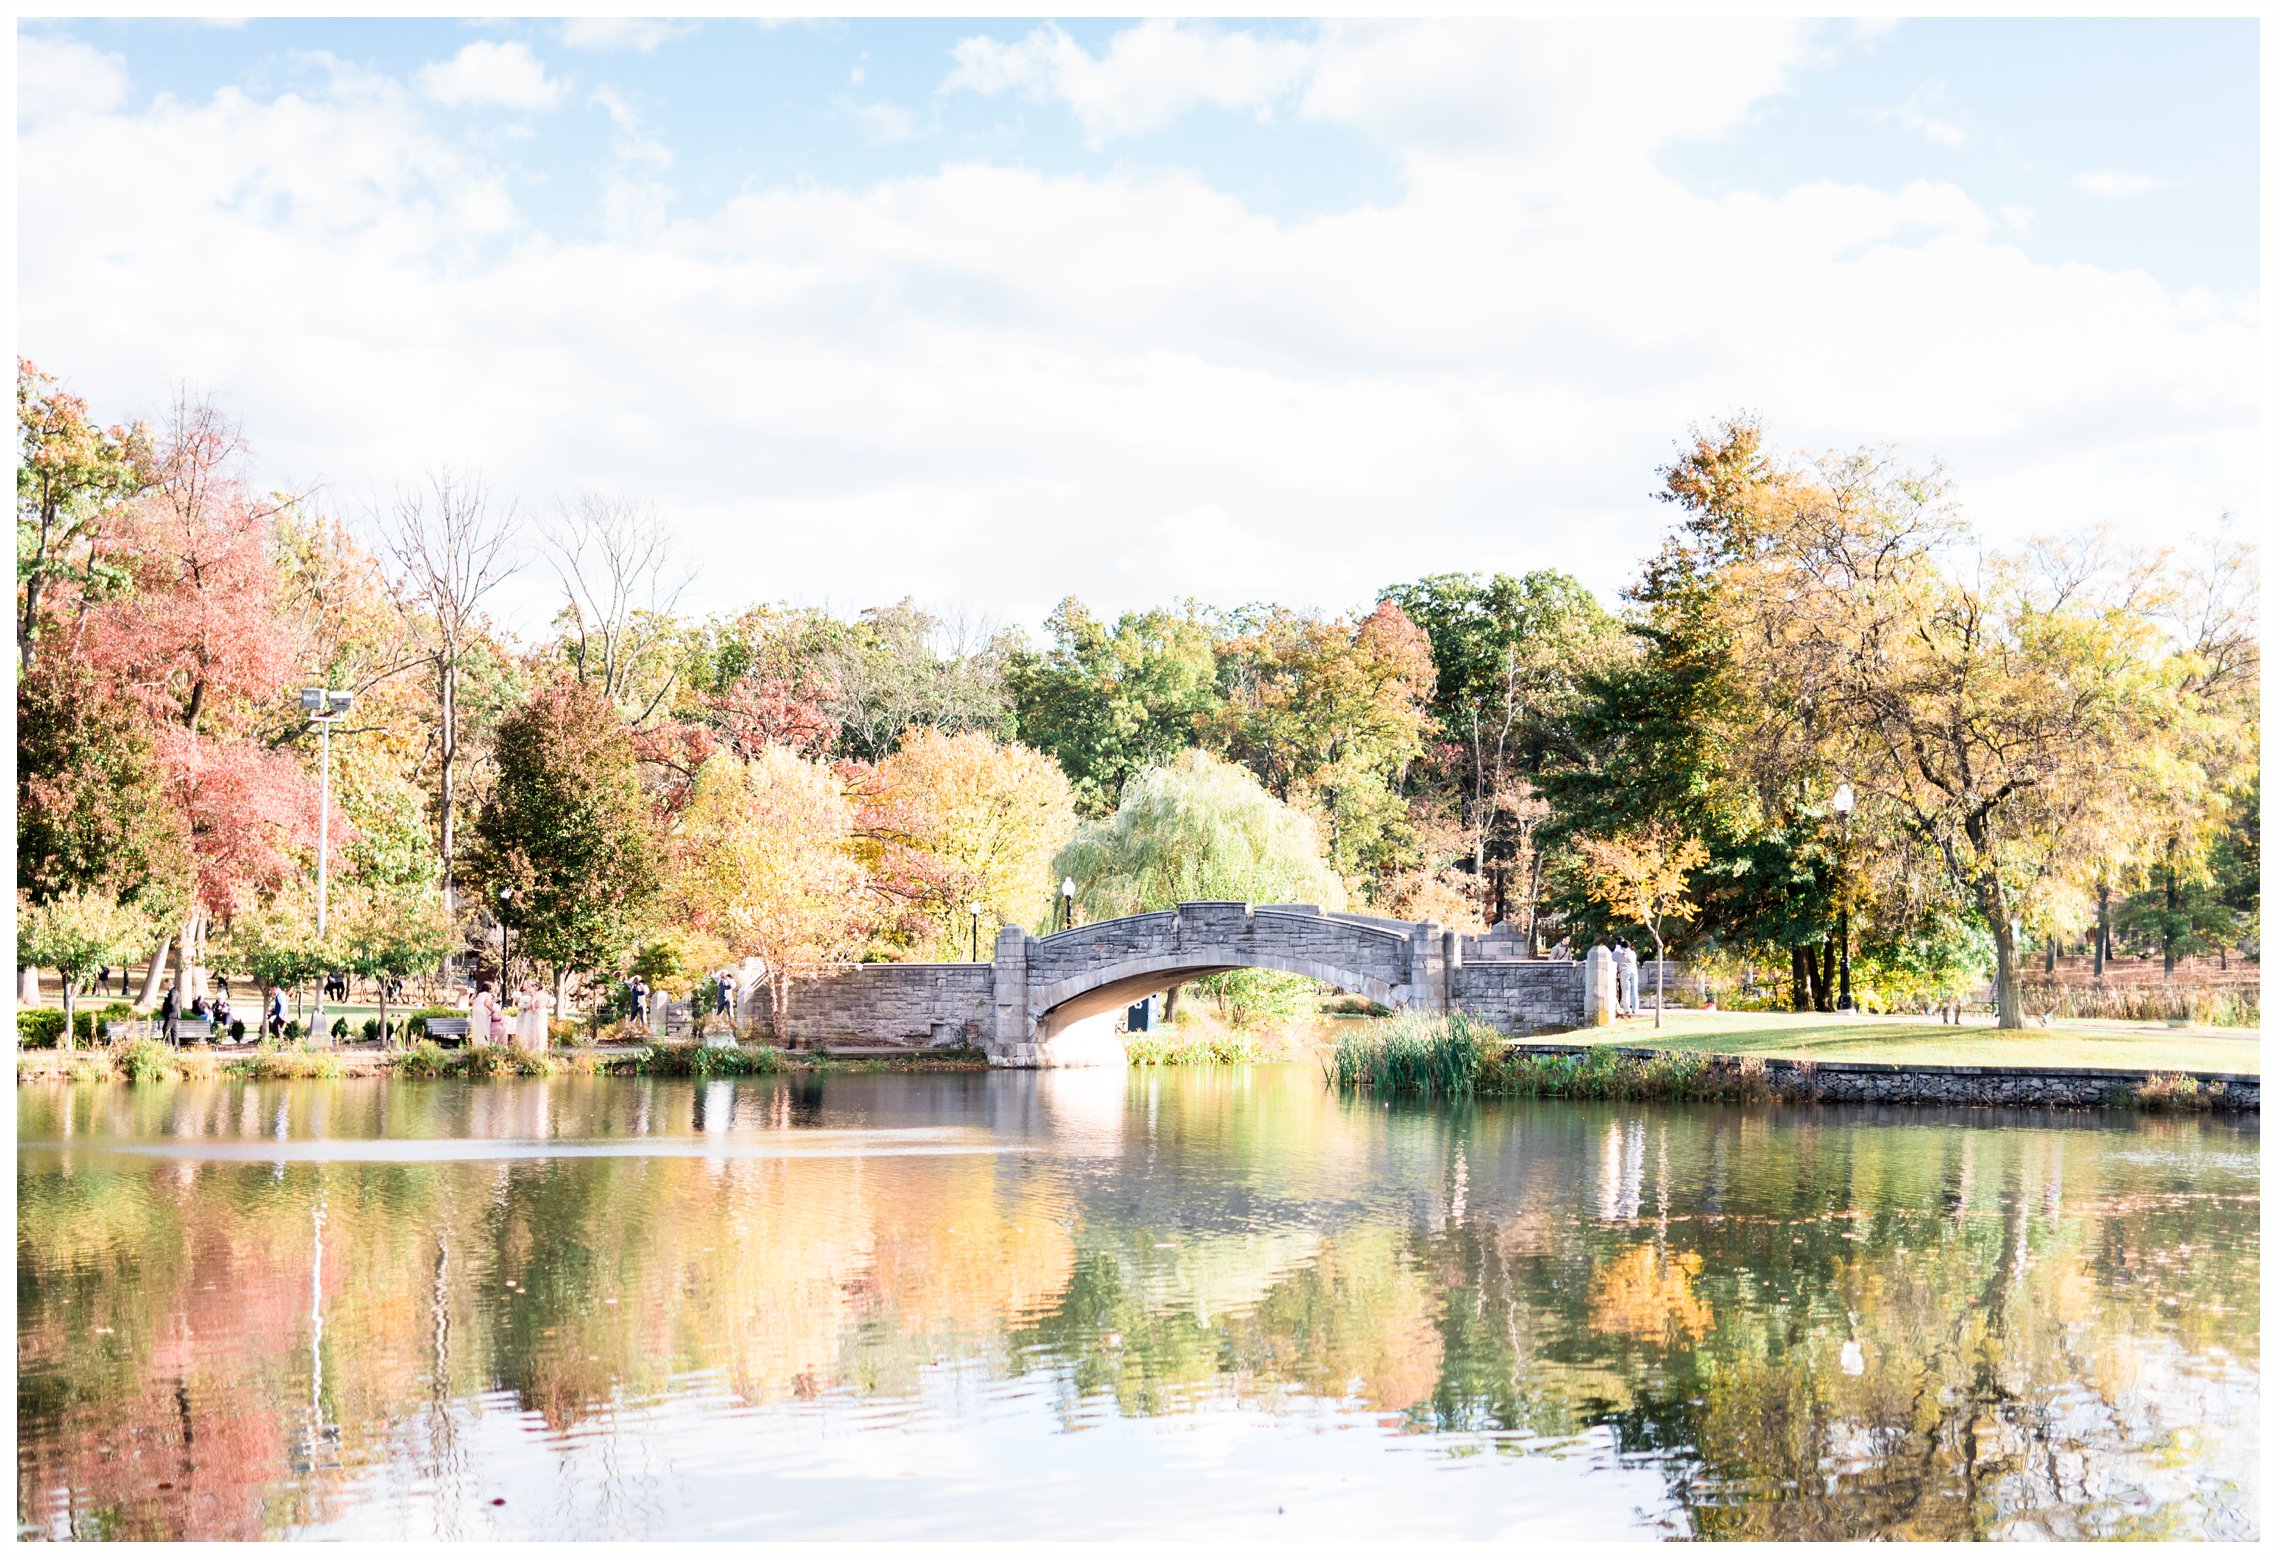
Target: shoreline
1718, 1076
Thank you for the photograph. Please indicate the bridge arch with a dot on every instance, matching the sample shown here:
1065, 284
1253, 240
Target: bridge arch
1113, 987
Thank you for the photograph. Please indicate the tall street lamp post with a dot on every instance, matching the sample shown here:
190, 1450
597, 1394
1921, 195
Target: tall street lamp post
323, 707
1844, 800
1066, 903
505, 938
975, 908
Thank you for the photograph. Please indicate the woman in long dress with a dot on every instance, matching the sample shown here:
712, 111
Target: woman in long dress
530, 1025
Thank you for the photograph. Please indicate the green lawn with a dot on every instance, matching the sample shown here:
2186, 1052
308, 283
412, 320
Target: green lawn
1819, 1037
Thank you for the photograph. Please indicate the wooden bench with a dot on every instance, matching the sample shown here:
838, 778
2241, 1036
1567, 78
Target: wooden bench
447, 1031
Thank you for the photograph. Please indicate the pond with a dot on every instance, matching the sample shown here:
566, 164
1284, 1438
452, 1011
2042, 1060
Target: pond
1217, 1302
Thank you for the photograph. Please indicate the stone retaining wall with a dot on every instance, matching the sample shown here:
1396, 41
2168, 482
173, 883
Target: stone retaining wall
1885, 1082
922, 1006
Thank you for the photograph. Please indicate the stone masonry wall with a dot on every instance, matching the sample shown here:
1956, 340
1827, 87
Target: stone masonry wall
1521, 997
922, 1006
1884, 1082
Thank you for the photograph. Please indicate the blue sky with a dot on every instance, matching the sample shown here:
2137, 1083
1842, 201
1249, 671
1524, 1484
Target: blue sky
1234, 309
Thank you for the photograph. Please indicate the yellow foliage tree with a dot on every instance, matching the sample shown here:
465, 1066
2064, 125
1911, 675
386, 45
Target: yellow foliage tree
964, 819
763, 860
1640, 874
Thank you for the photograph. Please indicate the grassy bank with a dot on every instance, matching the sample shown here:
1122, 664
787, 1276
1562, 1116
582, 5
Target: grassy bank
2127, 1046
149, 1061
1419, 1056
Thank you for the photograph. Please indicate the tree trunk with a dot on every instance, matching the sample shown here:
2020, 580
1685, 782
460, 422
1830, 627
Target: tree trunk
779, 987
156, 978
2004, 974
69, 1015
1659, 974
1804, 972
2173, 913
1829, 961
2102, 926
1170, 1004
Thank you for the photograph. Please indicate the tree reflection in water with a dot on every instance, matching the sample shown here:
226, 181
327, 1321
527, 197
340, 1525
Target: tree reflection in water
1807, 1324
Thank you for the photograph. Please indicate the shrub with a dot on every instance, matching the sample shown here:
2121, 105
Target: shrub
148, 1060
1177, 1047
710, 1061
425, 1059
339, 1028
292, 1028
2177, 1091
278, 1064
38, 1028
237, 1031
87, 1025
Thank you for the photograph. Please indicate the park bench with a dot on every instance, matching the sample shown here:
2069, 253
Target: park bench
447, 1031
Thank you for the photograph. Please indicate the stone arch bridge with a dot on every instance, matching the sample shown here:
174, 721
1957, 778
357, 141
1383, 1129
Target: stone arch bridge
1057, 1000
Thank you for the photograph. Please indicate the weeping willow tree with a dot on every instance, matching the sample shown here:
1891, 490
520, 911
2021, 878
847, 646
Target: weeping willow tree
1198, 828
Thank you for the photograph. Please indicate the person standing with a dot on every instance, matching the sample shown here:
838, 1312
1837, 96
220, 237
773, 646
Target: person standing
170, 1014
1625, 959
276, 1021
530, 1023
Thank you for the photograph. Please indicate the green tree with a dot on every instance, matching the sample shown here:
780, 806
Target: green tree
76, 934
389, 931
1510, 655
1197, 828
1108, 702
566, 828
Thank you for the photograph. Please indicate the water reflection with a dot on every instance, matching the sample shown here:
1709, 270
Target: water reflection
1079, 1304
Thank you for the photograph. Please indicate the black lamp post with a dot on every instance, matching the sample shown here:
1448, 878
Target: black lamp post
1844, 800
975, 907
505, 936
1066, 903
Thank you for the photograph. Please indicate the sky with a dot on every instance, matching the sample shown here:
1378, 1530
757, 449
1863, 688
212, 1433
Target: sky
992, 313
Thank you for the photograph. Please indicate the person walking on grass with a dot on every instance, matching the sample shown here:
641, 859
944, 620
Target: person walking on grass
276, 1019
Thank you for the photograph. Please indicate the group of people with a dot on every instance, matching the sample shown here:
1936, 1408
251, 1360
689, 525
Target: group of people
215, 1010
487, 1017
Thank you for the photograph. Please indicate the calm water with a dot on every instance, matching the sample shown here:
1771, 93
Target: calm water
1075, 1304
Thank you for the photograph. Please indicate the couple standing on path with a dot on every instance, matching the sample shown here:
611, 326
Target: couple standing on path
1624, 978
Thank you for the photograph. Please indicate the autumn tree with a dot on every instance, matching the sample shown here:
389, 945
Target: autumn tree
615, 561
566, 828
1329, 714
73, 480
763, 859
900, 668
1640, 875
961, 819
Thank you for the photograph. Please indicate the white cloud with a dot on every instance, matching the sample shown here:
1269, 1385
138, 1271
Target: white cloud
1148, 76
2017, 219
2111, 184
1920, 114
490, 75
634, 196
62, 76
882, 124
644, 34
993, 385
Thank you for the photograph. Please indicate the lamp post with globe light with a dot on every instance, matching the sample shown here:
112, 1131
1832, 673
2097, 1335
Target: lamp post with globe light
1066, 903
